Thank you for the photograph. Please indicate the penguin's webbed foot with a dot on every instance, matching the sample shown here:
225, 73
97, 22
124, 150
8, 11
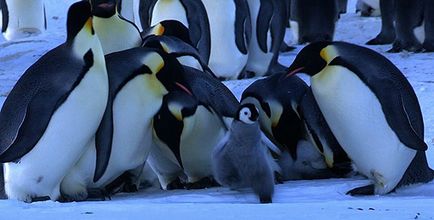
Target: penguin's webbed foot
265, 199
40, 199
278, 178
130, 188
381, 39
428, 46
175, 184
203, 183
399, 47
362, 191
284, 48
96, 194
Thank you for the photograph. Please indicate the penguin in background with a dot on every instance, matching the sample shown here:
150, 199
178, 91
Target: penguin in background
191, 14
362, 94
268, 20
241, 158
2, 183
22, 18
129, 9
387, 34
288, 113
62, 95
342, 6
368, 8
230, 37
115, 32
139, 78
186, 130
314, 20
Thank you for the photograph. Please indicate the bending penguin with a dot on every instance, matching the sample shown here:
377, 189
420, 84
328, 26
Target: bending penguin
139, 78
241, 159
115, 32
22, 18
268, 20
371, 109
62, 95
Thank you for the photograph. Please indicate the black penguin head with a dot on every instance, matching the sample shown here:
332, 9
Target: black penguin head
79, 17
247, 113
309, 59
171, 28
103, 8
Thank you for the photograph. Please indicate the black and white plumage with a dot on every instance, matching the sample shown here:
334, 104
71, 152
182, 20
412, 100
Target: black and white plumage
241, 159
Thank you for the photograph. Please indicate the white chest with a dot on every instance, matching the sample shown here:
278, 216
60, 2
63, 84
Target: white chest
169, 10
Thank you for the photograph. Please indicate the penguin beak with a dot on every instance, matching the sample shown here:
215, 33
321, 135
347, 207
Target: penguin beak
183, 88
293, 71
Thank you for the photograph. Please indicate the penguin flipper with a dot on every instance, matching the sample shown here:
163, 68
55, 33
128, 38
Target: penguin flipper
399, 103
243, 29
277, 28
5, 15
146, 8
211, 92
199, 27
103, 141
263, 24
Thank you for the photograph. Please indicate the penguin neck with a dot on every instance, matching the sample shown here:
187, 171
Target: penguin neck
85, 41
250, 132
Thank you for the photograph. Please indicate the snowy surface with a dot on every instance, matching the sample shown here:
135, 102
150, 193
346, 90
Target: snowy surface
320, 199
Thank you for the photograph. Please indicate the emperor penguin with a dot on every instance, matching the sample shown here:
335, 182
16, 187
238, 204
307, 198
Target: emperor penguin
138, 79
115, 32
387, 34
230, 37
186, 130
313, 20
368, 8
241, 158
289, 115
22, 18
268, 20
371, 109
129, 9
53, 111
190, 13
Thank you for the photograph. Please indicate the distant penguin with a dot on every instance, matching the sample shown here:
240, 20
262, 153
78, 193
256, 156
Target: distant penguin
371, 109
241, 160
139, 78
230, 37
115, 32
192, 14
22, 18
268, 30
187, 129
343, 6
387, 33
313, 20
368, 8
288, 113
51, 114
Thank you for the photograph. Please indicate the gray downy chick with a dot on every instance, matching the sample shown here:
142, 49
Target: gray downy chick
241, 160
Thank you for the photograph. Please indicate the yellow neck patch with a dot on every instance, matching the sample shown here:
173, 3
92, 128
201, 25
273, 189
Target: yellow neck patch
329, 53
154, 61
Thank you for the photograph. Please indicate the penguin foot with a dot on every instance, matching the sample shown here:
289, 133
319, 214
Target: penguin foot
278, 178
362, 191
265, 199
96, 194
175, 184
203, 183
428, 46
130, 188
398, 47
381, 39
285, 48
40, 199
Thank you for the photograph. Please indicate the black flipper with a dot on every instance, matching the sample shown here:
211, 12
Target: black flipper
198, 24
417, 172
5, 15
396, 96
263, 24
35, 97
146, 7
243, 26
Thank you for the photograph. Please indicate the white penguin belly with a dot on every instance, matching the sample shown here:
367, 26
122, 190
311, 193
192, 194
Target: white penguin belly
200, 135
26, 18
419, 33
225, 58
70, 129
355, 116
258, 61
169, 10
116, 34
295, 30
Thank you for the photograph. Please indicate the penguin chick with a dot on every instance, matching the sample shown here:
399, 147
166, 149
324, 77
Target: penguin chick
241, 159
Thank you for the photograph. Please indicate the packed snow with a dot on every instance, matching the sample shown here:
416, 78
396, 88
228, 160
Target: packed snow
318, 199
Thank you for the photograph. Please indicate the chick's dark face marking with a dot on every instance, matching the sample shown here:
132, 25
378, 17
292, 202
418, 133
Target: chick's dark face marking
248, 113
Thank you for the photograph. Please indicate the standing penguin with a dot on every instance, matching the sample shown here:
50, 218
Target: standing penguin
241, 159
190, 13
115, 32
313, 20
139, 78
230, 36
387, 33
22, 18
186, 130
268, 20
371, 109
368, 8
53, 111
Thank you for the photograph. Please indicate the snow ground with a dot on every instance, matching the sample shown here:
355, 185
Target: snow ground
295, 199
